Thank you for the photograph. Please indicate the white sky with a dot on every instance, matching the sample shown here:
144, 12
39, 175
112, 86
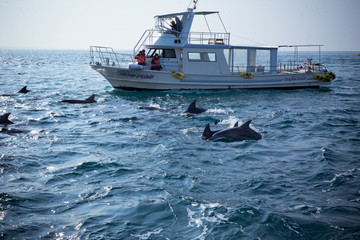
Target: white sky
77, 24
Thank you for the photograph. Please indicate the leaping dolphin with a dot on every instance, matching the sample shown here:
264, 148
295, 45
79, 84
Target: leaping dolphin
192, 109
23, 90
4, 119
244, 132
90, 99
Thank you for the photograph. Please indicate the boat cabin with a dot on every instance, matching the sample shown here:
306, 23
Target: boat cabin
214, 59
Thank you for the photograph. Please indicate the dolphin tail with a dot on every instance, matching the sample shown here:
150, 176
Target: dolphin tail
91, 98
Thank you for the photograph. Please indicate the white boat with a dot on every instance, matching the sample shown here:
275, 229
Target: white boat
204, 60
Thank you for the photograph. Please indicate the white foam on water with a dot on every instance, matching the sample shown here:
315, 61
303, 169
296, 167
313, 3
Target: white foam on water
203, 214
148, 234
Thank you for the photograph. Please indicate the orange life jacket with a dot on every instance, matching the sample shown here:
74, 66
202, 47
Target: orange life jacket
155, 62
141, 57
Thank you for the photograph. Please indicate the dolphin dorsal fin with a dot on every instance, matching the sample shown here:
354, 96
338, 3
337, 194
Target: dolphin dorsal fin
236, 124
5, 116
91, 98
23, 90
4, 119
192, 106
207, 132
247, 124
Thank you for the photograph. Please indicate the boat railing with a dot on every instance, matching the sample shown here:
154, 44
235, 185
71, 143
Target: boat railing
107, 57
258, 69
211, 38
283, 67
293, 66
146, 38
150, 36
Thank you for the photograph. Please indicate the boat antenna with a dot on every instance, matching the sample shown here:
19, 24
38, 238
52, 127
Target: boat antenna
194, 6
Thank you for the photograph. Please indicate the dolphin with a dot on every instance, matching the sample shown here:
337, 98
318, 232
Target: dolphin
208, 133
4, 119
152, 108
23, 90
192, 109
90, 99
12, 131
244, 132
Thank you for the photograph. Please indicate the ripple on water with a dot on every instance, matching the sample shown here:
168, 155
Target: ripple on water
113, 171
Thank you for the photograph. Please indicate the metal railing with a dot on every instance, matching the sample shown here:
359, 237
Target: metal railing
150, 36
293, 66
250, 69
282, 67
107, 57
210, 38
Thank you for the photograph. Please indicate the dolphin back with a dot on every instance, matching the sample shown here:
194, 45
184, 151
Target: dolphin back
251, 133
244, 132
208, 133
90, 99
193, 109
23, 90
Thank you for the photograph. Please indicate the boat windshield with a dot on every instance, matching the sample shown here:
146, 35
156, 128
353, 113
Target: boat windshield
164, 53
171, 23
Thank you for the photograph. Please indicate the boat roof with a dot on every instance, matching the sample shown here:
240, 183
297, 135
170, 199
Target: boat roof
202, 46
183, 13
306, 45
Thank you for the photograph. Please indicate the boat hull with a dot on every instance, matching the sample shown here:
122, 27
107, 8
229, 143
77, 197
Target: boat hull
130, 79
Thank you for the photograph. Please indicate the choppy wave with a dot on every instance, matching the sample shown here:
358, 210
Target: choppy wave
113, 171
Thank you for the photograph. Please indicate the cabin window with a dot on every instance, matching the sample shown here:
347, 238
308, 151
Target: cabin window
194, 56
154, 51
168, 53
164, 53
202, 56
239, 60
209, 57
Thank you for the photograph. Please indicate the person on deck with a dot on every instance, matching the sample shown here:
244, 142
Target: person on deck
140, 57
155, 63
178, 24
173, 25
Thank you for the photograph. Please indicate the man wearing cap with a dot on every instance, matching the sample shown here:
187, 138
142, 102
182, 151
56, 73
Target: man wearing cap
140, 57
155, 63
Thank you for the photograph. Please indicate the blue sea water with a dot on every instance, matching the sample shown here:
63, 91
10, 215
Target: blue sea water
110, 170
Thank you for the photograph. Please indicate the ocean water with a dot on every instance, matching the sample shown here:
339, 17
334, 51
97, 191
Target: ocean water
110, 170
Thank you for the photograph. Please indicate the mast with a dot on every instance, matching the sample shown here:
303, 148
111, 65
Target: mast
194, 5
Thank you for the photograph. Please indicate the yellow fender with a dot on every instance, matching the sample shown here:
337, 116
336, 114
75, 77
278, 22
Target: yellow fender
177, 75
246, 75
